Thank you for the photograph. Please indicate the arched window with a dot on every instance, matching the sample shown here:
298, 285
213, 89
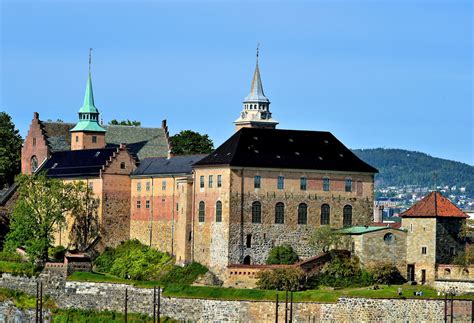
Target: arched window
325, 214
465, 272
447, 271
256, 212
347, 216
34, 164
247, 260
218, 211
280, 213
202, 208
302, 213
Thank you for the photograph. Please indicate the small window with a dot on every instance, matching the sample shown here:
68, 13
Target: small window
347, 216
256, 212
281, 182
348, 185
94, 139
256, 181
218, 211
122, 165
326, 184
219, 180
249, 241
465, 272
201, 182
177, 207
447, 271
147, 204
139, 187
388, 238
34, 142
147, 186
411, 227
247, 260
279, 213
325, 214
452, 251
139, 204
211, 181
303, 183
163, 185
302, 213
423, 250
34, 164
77, 138
202, 208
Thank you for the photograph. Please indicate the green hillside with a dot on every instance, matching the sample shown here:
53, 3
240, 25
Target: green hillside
399, 167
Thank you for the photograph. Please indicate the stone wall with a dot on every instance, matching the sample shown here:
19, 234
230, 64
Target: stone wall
456, 287
105, 296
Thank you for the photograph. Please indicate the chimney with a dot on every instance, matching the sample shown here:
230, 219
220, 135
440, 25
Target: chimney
36, 115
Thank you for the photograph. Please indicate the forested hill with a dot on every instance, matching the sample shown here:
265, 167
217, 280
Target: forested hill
399, 167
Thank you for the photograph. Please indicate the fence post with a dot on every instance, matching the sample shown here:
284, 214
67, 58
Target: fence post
41, 303
159, 304
291, 307
446, 308
154, 304
126, 301
452, 307
276, 309
286, 306
37, 303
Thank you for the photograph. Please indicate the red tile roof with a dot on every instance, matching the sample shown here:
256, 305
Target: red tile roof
434, 205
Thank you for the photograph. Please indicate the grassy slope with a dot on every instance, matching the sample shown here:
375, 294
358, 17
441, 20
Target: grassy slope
255, 294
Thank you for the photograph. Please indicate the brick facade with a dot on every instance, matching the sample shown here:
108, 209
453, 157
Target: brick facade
34, 146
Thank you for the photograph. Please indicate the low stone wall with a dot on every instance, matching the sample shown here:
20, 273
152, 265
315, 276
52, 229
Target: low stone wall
456, 287
105, 296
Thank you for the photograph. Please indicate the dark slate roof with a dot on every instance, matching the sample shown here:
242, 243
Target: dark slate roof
174, 165
77, 163
294, 149
141, 142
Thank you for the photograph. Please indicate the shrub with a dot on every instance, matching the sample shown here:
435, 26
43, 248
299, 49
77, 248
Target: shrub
289, 278
10, 256
282, 255
184, 275
57, 253
386, 273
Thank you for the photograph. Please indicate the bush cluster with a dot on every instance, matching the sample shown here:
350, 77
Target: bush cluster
282, 255
289, 278
134, 260
386, 273
57, 253
10, 256
183, 275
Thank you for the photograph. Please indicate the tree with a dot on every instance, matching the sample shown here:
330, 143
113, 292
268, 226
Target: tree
39, 212
386, 273
125, 123
190, 142
282, 255
289, 278
10, 150
85, 219
324, 239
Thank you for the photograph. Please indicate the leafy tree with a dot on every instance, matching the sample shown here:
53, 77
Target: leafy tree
282, 255
10, 150
465, 258
190, 142
85, 225
125, 122
324, 238
289, 278
39, 212
386, 273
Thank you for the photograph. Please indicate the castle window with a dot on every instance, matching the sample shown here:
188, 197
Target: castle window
411, 227
281, 182
34, 142
388, 238
77, 138
465, 272
325, 214
326, 184
423, 250
256, 181
139, 204
202, 208
34, 164
218, 211
249, 241
201, 182
211, 181
302, 213
279, 213
94, 139
219, 180
347, 216
147, 204
122, 165
348, 185
163, 185
139, 186
303, 183
147, 186
247, 260
256, 212
447, 271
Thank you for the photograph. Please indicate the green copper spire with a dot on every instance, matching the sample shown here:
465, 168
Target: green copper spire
88, 113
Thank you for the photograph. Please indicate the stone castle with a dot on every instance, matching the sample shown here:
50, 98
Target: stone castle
261, 188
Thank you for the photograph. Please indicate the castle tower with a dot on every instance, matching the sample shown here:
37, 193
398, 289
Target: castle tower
256, 110
88, 133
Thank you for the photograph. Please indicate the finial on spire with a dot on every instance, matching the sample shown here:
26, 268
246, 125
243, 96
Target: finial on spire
90, 59
258, 50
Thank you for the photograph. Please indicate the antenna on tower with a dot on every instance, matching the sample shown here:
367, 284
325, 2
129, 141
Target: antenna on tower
258, 50
90, 59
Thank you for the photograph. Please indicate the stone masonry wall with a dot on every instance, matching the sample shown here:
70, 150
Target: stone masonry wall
104, 296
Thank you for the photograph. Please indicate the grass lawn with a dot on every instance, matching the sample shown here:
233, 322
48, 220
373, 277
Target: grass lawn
22, 300
321, 295
21, 268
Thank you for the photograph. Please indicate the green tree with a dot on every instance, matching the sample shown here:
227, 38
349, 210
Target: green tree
125, 123
10, 150
386, 273
324, 238
39, 212
289, 278
190, 142
282, 255
85, 218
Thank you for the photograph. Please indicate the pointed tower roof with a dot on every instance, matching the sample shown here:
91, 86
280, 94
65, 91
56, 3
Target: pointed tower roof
256, 89
434, 205
88, 106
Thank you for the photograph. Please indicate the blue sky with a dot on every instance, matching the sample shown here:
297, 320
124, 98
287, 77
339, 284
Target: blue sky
394, 74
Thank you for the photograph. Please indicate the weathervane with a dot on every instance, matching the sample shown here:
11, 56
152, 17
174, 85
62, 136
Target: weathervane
90, 59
